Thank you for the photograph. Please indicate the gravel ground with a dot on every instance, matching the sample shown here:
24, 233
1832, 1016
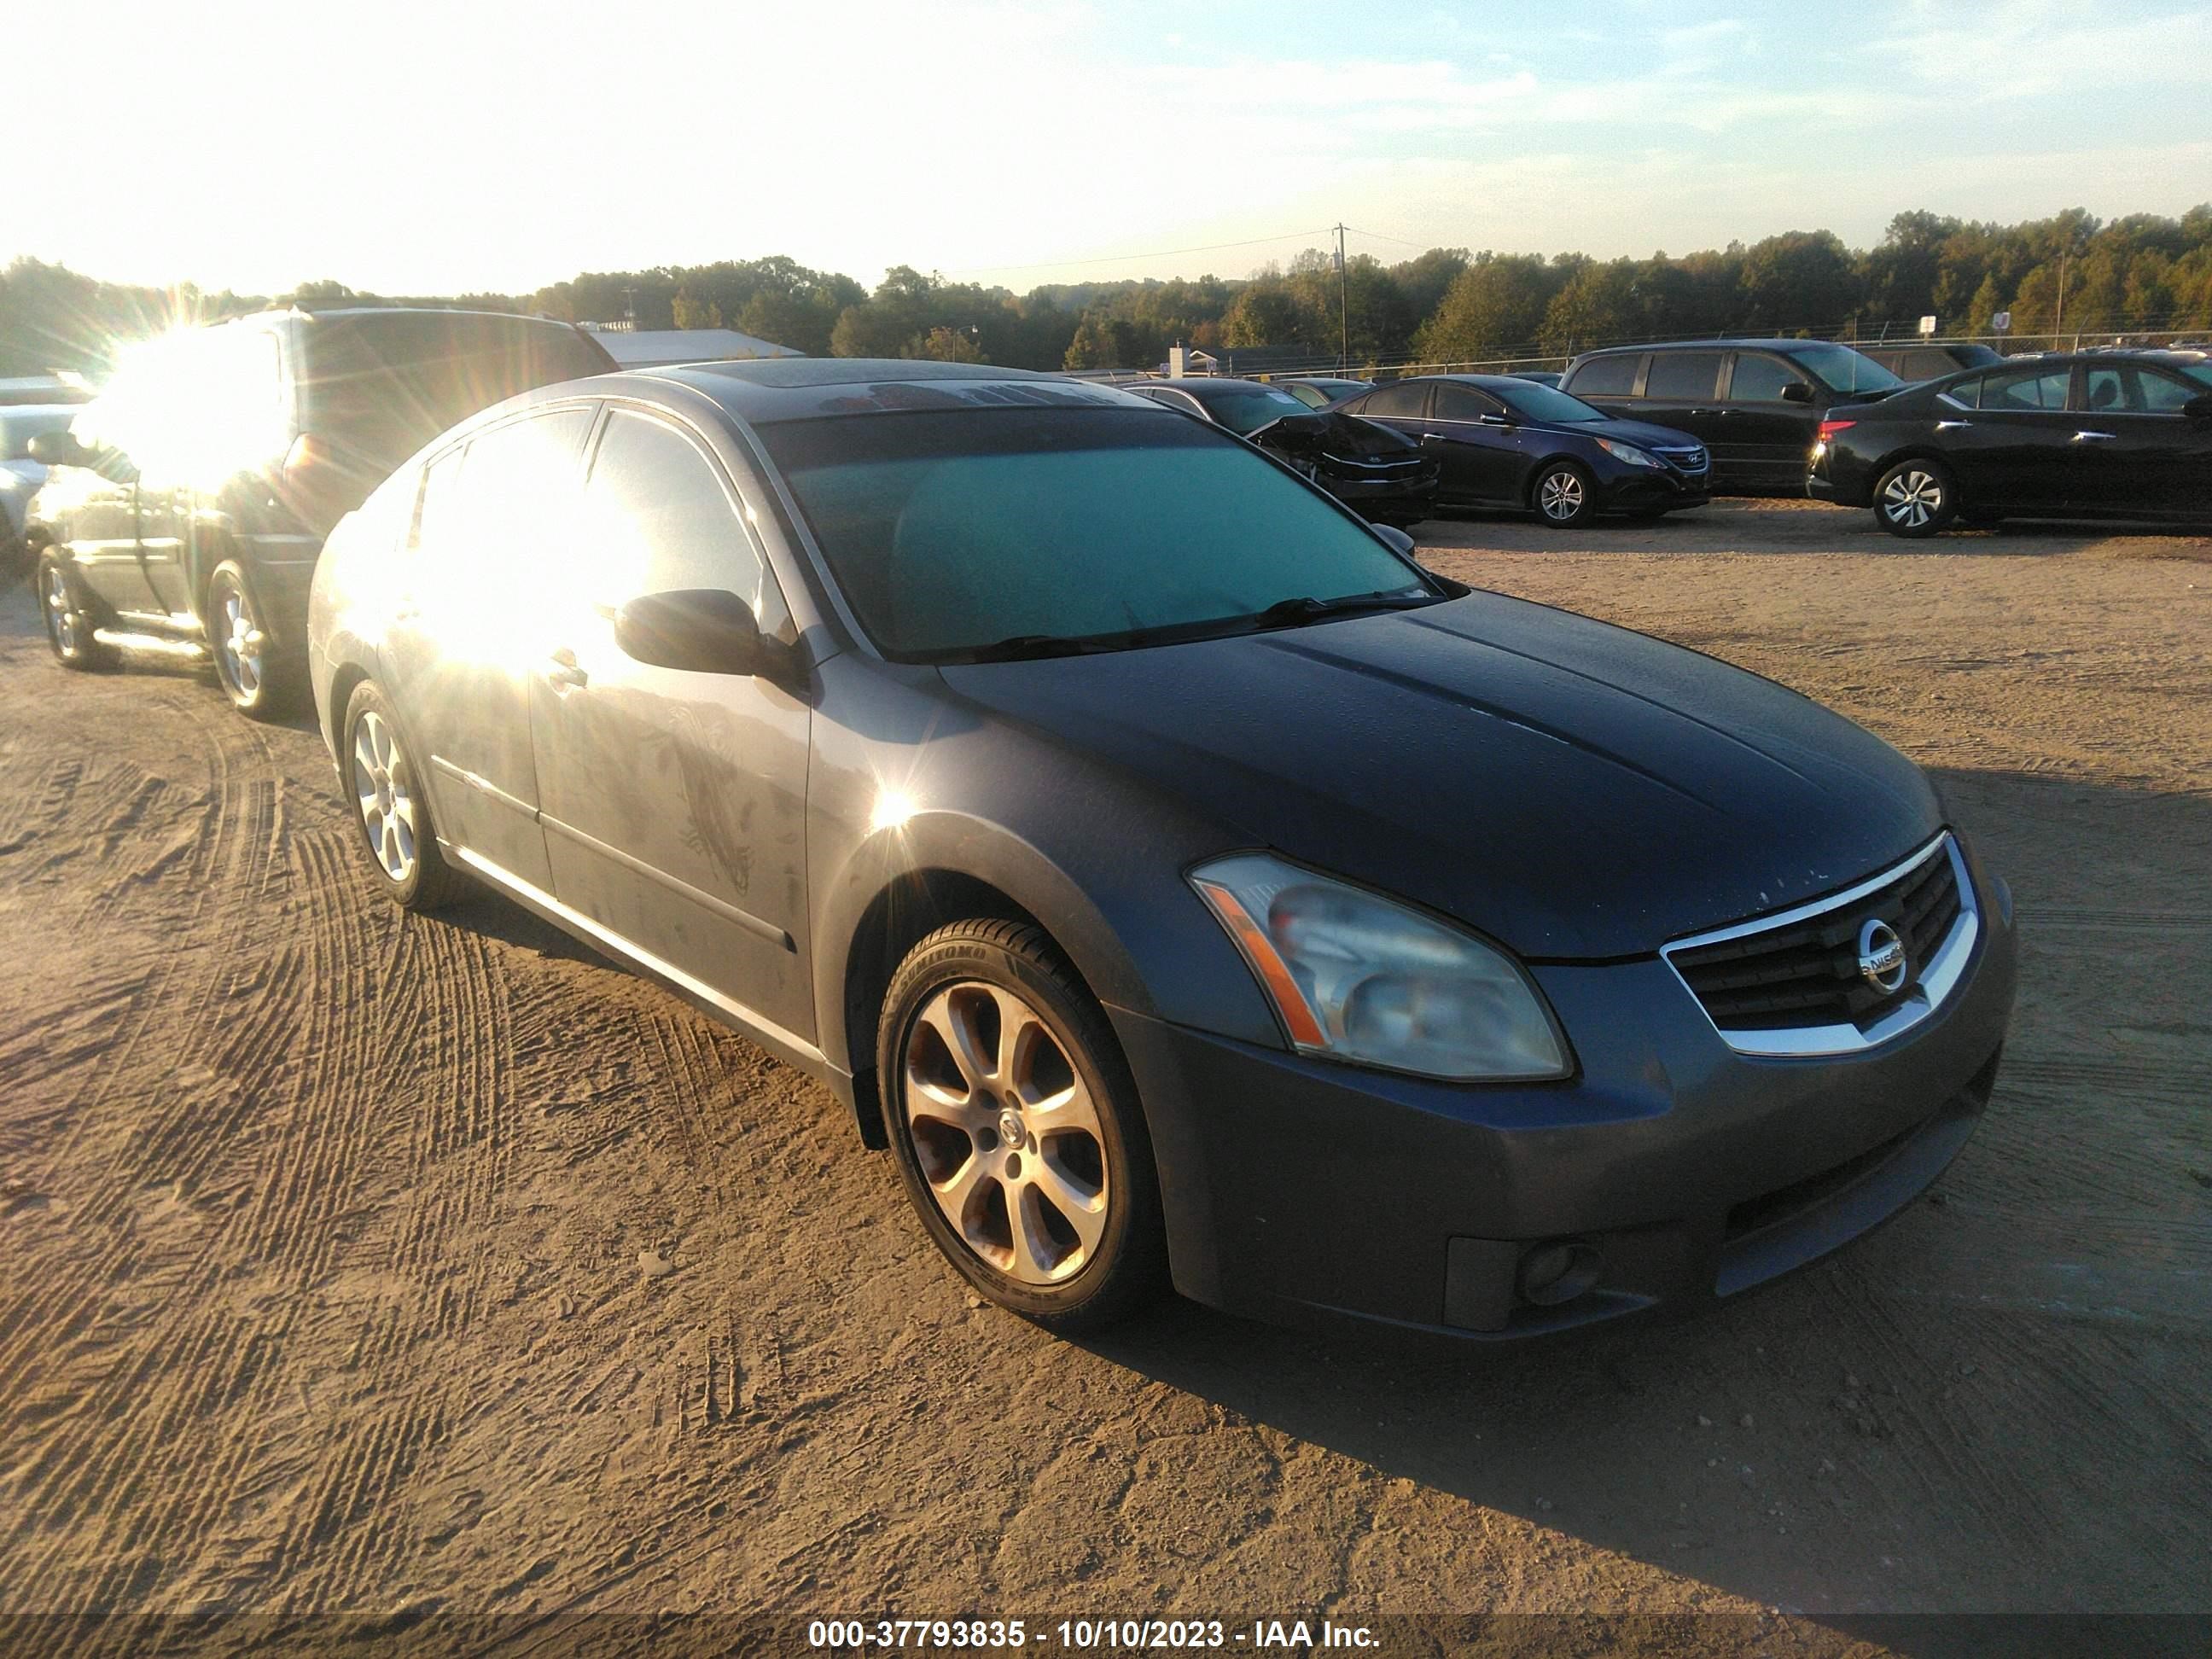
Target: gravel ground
368, 1263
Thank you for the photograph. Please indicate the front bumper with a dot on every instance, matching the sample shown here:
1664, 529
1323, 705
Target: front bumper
1652, 490
1405, 500
1307, 1192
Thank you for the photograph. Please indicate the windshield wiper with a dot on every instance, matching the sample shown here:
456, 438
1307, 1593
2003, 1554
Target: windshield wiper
1305, 608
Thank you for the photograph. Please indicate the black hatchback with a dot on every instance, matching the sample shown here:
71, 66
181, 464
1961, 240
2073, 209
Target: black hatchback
1756, 405
2105, 435
1502, 441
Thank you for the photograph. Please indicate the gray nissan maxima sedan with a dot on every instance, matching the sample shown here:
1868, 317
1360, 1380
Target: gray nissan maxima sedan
1183, 883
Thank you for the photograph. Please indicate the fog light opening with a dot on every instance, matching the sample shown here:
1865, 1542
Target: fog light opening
1556, 1271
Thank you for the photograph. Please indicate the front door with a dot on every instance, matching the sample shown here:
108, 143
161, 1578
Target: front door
2145, 459
1479, 445
675, 802
495, 524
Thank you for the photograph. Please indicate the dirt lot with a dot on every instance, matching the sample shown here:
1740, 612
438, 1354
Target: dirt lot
362, 1262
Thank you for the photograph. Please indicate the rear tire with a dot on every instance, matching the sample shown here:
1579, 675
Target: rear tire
1016, 1127
261, 680
70, 614
1564, 495
1916, 498
389, 808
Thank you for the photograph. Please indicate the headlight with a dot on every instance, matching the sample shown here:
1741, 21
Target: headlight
1628, 452
1356, 977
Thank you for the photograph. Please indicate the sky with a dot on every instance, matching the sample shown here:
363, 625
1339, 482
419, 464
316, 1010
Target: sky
414, 148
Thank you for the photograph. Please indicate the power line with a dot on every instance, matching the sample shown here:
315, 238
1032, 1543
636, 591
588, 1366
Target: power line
1378, 236
1162, 253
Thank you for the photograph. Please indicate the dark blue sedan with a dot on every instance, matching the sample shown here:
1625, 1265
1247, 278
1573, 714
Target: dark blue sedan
1505, 441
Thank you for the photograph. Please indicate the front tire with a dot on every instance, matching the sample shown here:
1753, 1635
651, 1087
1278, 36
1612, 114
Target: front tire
389, 808
258, 678
1564, 495
1916, 499
70, 614
1016, 1127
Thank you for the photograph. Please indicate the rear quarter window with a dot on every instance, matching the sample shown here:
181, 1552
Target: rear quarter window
1604, 377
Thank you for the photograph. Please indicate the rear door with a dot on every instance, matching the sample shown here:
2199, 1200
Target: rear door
1403, 406
1769, 436
1682, 389
2011, 442
497, 530
1479, 462
674, 801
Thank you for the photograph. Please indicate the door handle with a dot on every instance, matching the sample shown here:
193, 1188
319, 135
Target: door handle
561, 671
1432, 437
2092, 437
1953, 426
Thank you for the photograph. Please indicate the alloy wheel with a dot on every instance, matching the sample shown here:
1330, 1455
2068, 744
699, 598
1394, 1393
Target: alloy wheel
239, 638
1560, 496
1006, 1133
1912, 498
61, 614
388, 810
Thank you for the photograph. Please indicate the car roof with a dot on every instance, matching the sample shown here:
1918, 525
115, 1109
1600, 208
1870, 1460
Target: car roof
1731, 344
799, 388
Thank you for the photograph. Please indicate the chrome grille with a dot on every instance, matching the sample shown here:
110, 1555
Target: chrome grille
1691, 458
1791, 983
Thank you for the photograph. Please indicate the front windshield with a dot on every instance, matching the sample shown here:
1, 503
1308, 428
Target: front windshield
1534, 401
1843, 369
951, 532
1248, 411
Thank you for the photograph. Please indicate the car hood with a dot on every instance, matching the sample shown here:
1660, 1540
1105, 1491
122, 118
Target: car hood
1573, 789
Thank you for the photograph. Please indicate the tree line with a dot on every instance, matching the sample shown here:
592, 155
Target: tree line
2070, 273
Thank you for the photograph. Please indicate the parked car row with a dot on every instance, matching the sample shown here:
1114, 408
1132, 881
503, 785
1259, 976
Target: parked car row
190, 500
1085, 794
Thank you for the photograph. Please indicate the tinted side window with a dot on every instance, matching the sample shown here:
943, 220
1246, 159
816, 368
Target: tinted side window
1927, 364
1967, 393
659, 520
1605, 377
1760, 379
1406, 400
1682, 374
1464, 402
2104, 388
2027, 388
2162, 394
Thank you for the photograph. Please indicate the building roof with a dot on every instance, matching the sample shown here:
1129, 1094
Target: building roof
657, 348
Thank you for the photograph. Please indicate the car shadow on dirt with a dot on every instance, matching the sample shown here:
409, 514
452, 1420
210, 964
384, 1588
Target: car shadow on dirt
1980, 1406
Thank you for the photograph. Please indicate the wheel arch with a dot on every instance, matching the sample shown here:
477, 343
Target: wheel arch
1544, 464
906, 911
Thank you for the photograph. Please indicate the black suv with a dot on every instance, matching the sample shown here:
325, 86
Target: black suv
1757, 404
190, 498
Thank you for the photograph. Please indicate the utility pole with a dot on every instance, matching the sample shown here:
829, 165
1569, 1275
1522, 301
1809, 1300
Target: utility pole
1343, 308
2059, 323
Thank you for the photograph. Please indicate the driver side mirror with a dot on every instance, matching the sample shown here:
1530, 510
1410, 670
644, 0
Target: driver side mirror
1396, 537
704, 630
1797, 392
